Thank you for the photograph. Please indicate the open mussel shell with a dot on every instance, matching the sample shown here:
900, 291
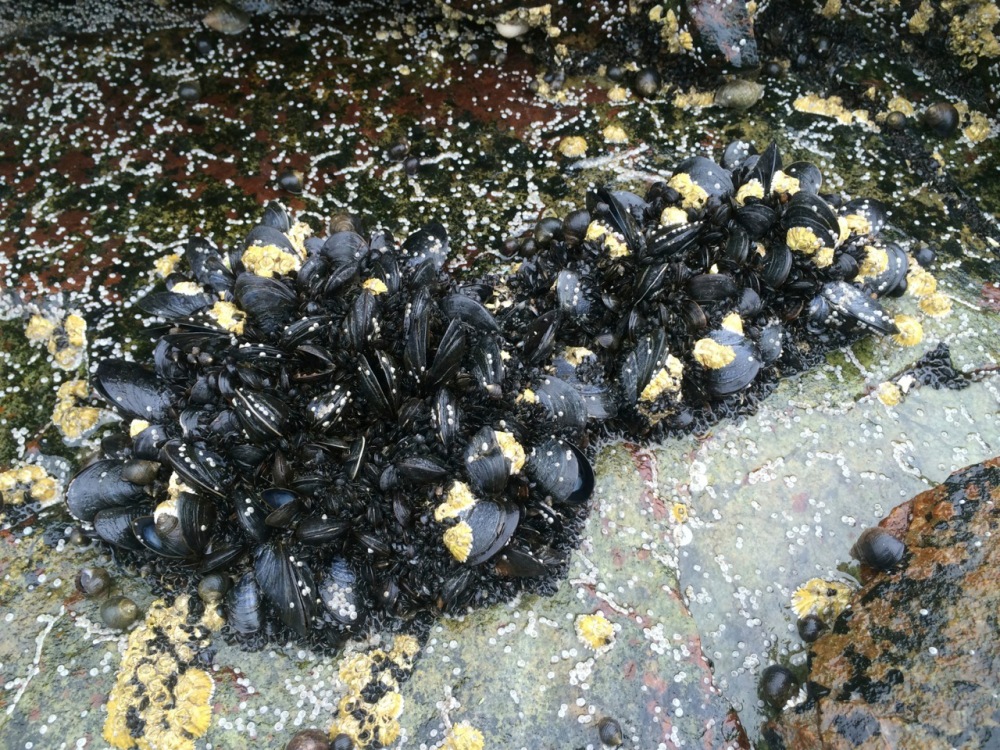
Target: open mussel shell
377, 383
133, 390
283, 505
288, 585
207, 266
640, 364
562, 471
101, 486
809, 211
891, 282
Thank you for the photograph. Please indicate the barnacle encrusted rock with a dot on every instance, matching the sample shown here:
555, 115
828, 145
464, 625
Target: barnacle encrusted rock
161, 699
889, 665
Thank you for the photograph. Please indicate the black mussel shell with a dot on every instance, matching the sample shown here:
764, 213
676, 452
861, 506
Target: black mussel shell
207, 265
735, 153
196, 466
133, 390
339, 592
288, 585
873, 211
878, 549
707, 175
775, 265
427, 244
562, 471
114, 525
842, 306
739, 373
269, 302
262, 415
564, 403
485, 464
101, 486
244, 606
492, 527
808, 174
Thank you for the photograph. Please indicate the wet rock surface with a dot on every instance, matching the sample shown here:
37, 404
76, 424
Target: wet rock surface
693, 547
912, 663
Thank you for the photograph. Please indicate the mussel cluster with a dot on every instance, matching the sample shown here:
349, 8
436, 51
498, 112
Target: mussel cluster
356, 439
339, 427
686, 304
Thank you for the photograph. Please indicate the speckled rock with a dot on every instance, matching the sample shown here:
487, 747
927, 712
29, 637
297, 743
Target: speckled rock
913, 663
725, 32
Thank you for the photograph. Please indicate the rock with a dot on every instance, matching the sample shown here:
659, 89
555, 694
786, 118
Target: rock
725, 32
913, 662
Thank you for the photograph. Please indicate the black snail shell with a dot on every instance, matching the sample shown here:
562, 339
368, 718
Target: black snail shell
609, 731
119, 612
333, 434
810, 628
93, 582
941, 118
777, 685
878, 549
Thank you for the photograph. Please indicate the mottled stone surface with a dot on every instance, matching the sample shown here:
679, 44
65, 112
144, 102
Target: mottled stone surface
693, 547
913, 663
725, 32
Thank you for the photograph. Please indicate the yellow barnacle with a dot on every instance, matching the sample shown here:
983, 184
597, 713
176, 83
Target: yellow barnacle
910, 333
389, 706
823, 257
617, 94
458, 540
733, 322
404, 648
784, 184
512, 450
528, 396
693, 195
166, 264
28, 480
816, 596
919, 281
458, 500
713, 355
803, 240
463, 736
158, 686
136, 426
596, 630
673, 216
229, 316
74, 421
858, 224
889, 393
269, 260
751, 189
875, 262
936, 305
614, 133
843, 230
39, 329
375, 286
573, 146
667, 379
356, 671
297, 235
76, 330
574, 355
187, 288
598, 231
679, 512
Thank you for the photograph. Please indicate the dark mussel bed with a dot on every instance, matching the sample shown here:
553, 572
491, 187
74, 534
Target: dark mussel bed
362, 441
